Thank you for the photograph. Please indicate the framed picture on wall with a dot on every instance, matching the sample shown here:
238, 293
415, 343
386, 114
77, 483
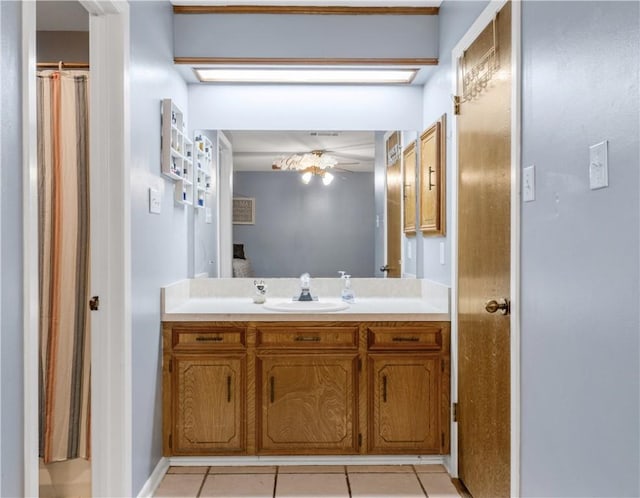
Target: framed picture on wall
432, 178
244, 211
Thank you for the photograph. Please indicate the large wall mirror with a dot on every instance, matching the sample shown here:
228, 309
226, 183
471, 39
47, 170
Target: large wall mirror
304, 201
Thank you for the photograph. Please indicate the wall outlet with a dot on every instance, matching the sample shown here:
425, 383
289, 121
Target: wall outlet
598, 166
529, 183
155, 202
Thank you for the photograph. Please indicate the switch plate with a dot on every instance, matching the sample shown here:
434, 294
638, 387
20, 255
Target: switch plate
154, 201
598, 166
441, 253
409, 251
208, 217
529, 183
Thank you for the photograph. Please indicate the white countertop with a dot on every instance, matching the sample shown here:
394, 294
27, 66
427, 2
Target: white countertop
204, 300
243, 309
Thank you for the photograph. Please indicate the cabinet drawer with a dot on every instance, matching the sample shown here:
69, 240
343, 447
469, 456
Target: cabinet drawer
209, 338
308, 337
423, 338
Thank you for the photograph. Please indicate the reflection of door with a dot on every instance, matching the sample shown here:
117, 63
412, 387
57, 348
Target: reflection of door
394, 193
484, 152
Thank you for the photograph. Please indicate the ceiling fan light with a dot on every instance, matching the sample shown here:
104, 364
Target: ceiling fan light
306, 177
327, 178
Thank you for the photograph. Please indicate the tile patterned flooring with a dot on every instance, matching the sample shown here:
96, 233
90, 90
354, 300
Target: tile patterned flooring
306, 481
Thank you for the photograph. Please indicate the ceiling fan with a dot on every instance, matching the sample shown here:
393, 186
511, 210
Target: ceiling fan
310, 164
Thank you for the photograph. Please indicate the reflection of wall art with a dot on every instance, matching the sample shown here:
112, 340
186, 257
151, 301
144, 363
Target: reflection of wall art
432, 178
244, 211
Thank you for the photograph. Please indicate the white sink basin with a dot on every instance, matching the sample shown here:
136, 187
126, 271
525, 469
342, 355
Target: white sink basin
306, 306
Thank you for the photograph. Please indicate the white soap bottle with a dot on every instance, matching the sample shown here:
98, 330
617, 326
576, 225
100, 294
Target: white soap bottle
347, 292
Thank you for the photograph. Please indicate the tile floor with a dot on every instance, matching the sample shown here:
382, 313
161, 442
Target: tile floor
301, 481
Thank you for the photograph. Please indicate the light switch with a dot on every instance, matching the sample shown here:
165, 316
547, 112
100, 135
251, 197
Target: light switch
208, 217
409, 251
598, 166
154, 201
441, 253
529, 183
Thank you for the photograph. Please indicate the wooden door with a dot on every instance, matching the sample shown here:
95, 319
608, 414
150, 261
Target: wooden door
409, 188
209, 404
404, 404
394, 212
308, 404
484, 154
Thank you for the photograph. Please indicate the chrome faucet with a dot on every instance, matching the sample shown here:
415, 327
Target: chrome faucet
305, 285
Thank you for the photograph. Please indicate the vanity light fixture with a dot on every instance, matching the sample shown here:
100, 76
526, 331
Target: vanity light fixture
306, 75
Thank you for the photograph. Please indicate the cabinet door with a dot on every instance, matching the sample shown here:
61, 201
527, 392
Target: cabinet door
209, 404
308, 403
404, 404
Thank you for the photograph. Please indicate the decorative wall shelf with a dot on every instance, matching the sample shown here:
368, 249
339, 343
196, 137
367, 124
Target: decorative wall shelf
202, 169
177, 152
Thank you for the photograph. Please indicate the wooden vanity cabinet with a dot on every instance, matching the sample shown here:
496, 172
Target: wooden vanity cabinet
204, 390
293, 388
307, 403
408, 388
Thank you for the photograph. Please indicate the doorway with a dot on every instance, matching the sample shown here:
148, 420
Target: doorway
110, 272
486, 242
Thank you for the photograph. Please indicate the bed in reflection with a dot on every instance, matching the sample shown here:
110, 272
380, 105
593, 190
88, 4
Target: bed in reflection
240, 264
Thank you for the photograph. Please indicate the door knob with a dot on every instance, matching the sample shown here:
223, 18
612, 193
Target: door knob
502, 304
384, 268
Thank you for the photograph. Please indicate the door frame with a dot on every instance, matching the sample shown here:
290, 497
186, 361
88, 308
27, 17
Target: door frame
111, 384
476, 28
225, 206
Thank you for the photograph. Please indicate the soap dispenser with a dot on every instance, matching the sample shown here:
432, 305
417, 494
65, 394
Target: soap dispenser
347, 292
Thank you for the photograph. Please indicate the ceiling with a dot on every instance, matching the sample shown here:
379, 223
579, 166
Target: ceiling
256, 150
56, 15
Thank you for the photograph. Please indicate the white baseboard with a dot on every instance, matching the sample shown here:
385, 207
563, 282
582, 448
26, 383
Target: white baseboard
154, 479
308, 460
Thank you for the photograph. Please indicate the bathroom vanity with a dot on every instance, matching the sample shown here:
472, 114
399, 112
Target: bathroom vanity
353, 382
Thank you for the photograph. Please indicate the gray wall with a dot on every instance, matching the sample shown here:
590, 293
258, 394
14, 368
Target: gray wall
580, 271
160, 243
66, 46
11, 351
306, 36
455, 19
308, 228
380, 181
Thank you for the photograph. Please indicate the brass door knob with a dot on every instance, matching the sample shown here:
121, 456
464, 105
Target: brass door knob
502, 304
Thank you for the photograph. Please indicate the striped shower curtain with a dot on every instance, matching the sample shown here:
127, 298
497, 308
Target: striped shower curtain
63, 204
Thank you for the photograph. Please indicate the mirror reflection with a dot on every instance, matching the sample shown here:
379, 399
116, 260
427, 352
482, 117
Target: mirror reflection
306, 201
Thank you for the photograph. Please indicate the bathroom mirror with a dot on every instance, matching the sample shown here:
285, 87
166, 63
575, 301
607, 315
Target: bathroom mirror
315, 213
303, 217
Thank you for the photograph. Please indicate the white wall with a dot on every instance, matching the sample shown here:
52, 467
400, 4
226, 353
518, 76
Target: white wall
455, 19
160, 243
580, 249
11, 261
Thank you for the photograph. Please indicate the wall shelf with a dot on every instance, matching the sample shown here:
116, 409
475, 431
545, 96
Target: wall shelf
202, 169
177, 152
